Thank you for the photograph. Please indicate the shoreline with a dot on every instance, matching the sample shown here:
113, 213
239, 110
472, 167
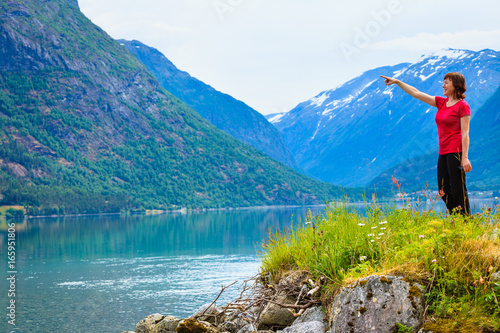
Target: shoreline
393, 200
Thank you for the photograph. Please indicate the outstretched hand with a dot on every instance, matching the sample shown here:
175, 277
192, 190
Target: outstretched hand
389, 80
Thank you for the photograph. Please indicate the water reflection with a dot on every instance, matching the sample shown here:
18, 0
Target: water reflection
105, 273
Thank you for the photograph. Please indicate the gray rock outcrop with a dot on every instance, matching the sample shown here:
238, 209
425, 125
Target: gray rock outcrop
378, 304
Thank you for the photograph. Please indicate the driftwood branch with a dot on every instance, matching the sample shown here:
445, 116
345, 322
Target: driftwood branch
215, 300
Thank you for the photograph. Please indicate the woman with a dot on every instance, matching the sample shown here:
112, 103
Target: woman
452, 119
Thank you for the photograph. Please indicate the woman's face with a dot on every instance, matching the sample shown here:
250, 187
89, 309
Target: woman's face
448, 88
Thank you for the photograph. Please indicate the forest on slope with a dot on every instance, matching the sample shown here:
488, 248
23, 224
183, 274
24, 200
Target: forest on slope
85, 128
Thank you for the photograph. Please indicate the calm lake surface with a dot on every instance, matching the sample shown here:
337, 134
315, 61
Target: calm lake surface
103, 274
106, 273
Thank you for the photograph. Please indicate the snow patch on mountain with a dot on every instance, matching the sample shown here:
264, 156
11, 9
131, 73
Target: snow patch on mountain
275, 118
320, 99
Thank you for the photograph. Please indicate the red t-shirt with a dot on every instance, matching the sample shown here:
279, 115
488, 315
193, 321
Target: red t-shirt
448, 124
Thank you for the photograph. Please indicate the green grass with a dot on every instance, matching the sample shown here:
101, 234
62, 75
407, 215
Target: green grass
453, 256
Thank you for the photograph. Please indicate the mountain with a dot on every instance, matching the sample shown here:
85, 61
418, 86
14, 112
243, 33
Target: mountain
484, 153
225, 112
84, 127
274, 117
349, 135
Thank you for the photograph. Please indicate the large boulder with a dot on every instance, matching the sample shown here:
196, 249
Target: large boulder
274, 315
378, 304
148, 323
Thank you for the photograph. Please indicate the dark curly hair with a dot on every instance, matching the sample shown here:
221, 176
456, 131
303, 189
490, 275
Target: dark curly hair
458, 81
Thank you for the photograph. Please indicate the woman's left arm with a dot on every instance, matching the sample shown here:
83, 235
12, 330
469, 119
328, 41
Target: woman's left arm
464, 124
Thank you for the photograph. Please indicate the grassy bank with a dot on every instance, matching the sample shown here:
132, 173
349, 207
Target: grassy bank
452, 256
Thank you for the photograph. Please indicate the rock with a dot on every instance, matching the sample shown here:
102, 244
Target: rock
229, 326
315, 313
294, 278
494, 234
377, 304
306, 327
194, 326
168, 324
495, 277
207, 309
248, 329
275, 315
148, 323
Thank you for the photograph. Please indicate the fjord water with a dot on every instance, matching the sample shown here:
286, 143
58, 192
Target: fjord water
105, 273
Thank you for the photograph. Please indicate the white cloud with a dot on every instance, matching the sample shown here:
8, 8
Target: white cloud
275, 54
165, 27
424, 42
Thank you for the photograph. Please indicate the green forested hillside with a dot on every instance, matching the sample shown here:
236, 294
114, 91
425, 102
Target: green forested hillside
85, 128
225, 112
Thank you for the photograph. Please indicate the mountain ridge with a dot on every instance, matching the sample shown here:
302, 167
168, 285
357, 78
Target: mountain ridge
222, 110
85, 128
350, 134
414, 173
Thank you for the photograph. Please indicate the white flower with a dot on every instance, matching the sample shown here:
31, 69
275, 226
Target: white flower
361, 224
383, 228
372, 240
371, 235
433, 260
381, 234
384, 222
362, 258
421, 236
374, 227
309, 222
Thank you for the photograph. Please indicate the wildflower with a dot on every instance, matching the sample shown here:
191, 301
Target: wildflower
377, 238
374, 227
309, 222
381, 234
383, 228
371, 235
361, 224
433, 260
362, 258
421, 236
372, 240
384, 222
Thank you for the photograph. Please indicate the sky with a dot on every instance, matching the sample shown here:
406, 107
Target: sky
275, 54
